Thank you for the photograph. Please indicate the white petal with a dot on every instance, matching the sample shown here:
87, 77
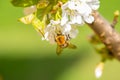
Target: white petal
71, 5
94, 4
79, 20
82, 0
64, 19
64, 6
89, 19
73, 19
46, 36
99, 70
73, 33
54, 22
51, 38
67, 27
84, 9
98, 73
89, 1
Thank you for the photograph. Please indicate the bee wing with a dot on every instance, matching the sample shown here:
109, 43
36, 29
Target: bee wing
72, 46
27, 19
59, 50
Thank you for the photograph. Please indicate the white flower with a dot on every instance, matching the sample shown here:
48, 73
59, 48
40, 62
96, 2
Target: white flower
54, 28
78, 11
70, 13
99, 70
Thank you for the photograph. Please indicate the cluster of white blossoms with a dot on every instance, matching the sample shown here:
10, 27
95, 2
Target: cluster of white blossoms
74, 12
79, 11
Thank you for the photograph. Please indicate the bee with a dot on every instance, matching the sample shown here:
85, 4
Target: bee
62, 42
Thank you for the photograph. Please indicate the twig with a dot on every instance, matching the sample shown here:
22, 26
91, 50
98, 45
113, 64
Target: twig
107, 34
115, 19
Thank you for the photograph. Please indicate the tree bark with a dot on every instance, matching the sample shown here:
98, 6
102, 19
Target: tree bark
107, 34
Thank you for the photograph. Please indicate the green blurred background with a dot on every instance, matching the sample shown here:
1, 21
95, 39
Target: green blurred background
24, 56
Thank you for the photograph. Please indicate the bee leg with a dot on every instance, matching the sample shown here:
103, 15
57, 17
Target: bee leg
59, 50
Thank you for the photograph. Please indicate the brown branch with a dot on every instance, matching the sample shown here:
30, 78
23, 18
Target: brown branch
107, 34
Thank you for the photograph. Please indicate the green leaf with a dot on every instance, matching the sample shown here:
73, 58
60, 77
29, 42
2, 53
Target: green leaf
43, 11
27, 3
27, 19
39, 25
64, 1
24, 3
